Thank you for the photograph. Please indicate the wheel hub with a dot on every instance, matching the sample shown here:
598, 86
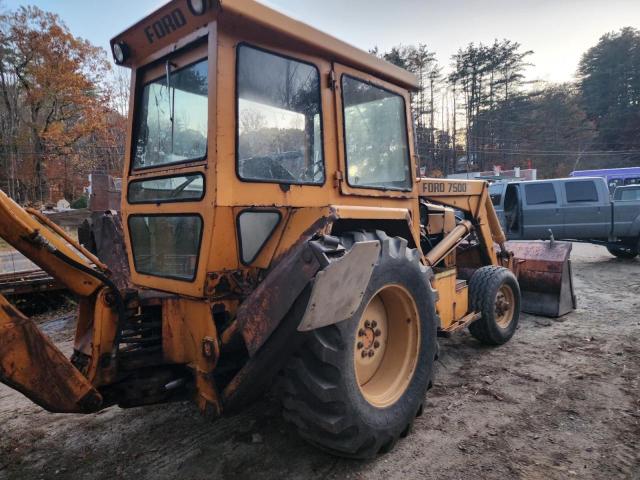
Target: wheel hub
504, 306
369, 339
386, 346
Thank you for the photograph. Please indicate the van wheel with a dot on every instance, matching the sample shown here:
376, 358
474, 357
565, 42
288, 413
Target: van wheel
626, 253
356, 386
495, 293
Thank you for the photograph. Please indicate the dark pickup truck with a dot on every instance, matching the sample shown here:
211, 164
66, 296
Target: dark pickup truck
577, 209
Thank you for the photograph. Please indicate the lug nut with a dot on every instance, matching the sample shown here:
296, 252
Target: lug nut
374, 324
367, 324
364, 353
376, 344
370, 353
361, 332
377, 333
360, 345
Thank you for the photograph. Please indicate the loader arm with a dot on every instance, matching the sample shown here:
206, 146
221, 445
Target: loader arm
29, 361
471, 197
543, 269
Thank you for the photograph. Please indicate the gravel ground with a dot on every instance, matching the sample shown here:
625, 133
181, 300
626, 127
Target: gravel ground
561, 400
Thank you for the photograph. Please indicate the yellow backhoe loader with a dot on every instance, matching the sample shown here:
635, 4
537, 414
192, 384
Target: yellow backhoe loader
275, 231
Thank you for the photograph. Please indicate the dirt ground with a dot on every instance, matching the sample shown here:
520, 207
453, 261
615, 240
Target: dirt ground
561, 400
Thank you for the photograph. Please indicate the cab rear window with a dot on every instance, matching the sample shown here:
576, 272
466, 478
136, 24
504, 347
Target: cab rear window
179, 188
166, 245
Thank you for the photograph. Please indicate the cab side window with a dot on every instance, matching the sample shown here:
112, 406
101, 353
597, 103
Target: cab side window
540, 194
581, 192
375, 136
279, 131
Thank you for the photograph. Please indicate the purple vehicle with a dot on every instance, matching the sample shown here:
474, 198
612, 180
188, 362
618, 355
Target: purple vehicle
616, 177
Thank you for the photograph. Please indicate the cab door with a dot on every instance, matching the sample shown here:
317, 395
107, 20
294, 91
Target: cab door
587, 212
541, 212
374, 136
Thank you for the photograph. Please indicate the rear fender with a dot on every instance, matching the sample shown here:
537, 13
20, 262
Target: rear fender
634, 231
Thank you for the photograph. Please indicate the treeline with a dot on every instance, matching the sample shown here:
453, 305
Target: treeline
63, 109
483, 112
58, 109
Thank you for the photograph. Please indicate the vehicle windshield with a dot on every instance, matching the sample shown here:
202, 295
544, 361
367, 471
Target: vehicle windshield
171, 123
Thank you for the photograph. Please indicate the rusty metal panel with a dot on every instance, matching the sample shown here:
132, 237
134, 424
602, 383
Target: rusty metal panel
31, 364
256, 376
263, 310
111, 248
545, 277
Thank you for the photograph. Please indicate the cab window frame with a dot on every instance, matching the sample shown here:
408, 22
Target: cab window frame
193, 54
409, 187
196, 270
177, 174
529, 193
573, 194
236, 101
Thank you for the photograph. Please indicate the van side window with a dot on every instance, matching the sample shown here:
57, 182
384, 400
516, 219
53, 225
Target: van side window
279, 129
632, 181
581, 192
540, 193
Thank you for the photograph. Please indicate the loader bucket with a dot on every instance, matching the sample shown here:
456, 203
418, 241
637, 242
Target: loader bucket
32, 365
545, 277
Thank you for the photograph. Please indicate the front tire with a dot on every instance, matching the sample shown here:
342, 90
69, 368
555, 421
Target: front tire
626, 253
356, 386
495, 293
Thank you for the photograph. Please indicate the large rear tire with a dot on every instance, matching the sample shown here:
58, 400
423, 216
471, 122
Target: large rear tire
495, 293
356, 386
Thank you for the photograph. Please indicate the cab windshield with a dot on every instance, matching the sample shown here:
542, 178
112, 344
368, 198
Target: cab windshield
171, 124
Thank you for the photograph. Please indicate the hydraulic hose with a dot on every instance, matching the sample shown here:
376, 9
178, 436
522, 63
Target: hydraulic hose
119, 301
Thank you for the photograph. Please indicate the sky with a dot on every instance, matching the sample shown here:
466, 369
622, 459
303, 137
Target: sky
558, 31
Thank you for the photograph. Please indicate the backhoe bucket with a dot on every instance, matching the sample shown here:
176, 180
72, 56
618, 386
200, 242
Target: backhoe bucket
545, 277
31, 364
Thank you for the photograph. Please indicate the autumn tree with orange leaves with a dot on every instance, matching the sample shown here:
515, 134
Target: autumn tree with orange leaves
56, 114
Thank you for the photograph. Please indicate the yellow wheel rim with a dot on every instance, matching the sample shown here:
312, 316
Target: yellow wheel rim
504, 306
387, 345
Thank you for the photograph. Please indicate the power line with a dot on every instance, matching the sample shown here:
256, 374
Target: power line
554, 154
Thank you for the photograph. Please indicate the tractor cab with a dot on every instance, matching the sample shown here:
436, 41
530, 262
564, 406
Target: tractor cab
246, 128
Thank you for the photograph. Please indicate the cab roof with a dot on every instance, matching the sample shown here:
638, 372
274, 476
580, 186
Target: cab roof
176, 19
